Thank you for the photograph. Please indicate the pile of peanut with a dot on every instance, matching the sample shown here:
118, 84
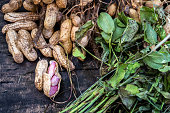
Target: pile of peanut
22, 40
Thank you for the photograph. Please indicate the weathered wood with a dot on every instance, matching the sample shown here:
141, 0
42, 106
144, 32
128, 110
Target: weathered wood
17, 91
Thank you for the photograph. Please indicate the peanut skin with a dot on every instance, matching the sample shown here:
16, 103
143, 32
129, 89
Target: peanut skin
134, 14
27, 25
29, 5
61, 3
13, 5
47, 1
112, 9
25, 44
47, 52
76, 20
65, 33
14, 17
47, 33
41, 68
59, 55
51, 16
11, 38
55, 38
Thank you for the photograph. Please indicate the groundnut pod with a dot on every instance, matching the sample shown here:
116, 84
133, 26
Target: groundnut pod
76, 20
73, 32
85, 2
112, 9
27, 25
51, 16
36, 2
60, 57
29, 5
47, 33
18, 16
46, 51
83, 41
52, 80
11, 38
25, 44
55, 38
13, 5
40, 69
134, 14
61, 3
153, 3
47, 1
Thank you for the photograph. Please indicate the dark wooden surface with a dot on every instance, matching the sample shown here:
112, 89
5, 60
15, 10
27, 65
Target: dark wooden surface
17, 91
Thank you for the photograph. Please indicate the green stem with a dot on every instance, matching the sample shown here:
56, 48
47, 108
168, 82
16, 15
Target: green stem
108, 103
98, 105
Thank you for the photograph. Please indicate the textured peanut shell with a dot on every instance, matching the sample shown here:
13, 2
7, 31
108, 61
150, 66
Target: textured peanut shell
153, 3
68, 45
47, 52
76, 20
167, 25
55, 38
36, 2
41, 68
47, 33
11, 39
61, 3
29, 5
73, 33
25, 44
83, 41
51, 16
18, 16
47, 1
134, 14
27, 25
65, 30
112, 9
60, 57
13, 5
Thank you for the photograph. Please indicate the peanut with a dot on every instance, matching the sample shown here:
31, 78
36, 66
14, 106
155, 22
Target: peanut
76, 21
40, 69
112, 9
14, 17
134, 14
167, 9
11, 38
36, 2
47, 33
83, 41
25, 44
13, 5
47, 1
61, 3
85, 2
55, 38
47, 52
167, 25
73, 33
27, 25
29, 5
65, 32
59, 55
52, 80
51, 16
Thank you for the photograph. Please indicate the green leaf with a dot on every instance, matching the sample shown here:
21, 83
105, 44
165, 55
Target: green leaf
158, 57
77, 53
164, 68
117, 33
132, 89
165, 94
119, 23
131, 68
123, 18
83, 29
150, 63
160, 31
148, 14
127, 100
119, 75
106, 36
105, 22
130, 31
150, 34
